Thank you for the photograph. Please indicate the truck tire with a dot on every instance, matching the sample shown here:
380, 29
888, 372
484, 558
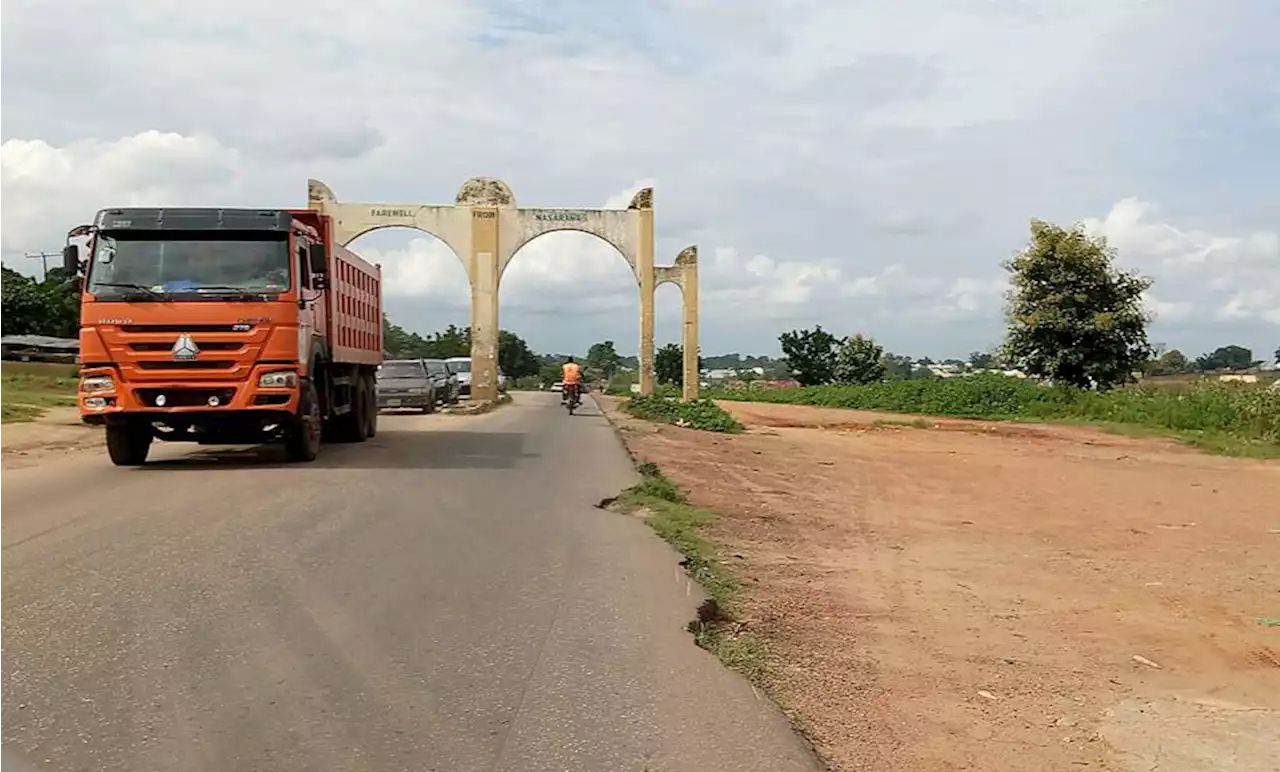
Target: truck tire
302, 438
371, 388
128, 443
360, 408
348, 426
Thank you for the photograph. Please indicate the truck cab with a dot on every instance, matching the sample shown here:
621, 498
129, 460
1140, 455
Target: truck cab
225, 326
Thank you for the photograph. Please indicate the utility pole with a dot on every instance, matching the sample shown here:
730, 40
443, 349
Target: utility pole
43, 257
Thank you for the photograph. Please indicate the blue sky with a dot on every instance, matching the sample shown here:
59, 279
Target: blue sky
864, 166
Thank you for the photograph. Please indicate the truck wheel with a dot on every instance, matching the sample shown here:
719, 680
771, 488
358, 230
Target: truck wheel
349, 426
371, 388
360, 397
128, 443
302, 438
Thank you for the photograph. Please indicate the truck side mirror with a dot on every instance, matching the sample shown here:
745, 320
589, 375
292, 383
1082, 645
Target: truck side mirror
317, 259
71, 259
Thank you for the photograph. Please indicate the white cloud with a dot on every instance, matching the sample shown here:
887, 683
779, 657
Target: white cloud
48, 190
861, 166
1133, 227
1239, 274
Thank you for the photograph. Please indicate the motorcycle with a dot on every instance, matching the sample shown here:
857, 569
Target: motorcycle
572, 396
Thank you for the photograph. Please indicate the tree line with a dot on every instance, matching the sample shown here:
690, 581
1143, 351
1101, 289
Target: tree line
48, 306
517, 360
1072, 317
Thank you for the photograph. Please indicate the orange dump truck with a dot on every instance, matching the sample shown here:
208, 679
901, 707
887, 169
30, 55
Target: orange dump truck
225, 326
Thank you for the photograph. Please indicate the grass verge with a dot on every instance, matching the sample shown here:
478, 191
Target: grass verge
27, 389
717, 629
700, 414
1225, 418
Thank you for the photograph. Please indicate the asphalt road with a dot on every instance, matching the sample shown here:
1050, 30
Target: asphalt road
443, 597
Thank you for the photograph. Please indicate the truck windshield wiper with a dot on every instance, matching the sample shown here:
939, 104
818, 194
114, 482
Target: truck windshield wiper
127, 285
243, 293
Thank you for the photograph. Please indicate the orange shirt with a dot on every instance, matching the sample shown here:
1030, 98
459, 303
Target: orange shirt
572, 372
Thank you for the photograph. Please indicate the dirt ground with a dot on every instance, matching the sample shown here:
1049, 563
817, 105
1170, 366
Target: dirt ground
55, 433
985, 596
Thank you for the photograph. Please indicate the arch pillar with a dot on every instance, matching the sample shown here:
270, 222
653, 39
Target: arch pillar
684, 274
642, 204
485, 200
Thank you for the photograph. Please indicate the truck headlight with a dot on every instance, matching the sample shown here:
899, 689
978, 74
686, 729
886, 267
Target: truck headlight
284, 379
92, 384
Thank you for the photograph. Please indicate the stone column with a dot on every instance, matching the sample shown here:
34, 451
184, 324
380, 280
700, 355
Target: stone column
688, 263
484, 303
645, 273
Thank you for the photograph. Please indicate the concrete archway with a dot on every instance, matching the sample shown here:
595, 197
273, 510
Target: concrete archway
485, 228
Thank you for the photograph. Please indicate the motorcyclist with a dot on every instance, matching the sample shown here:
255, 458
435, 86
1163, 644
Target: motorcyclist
572, 379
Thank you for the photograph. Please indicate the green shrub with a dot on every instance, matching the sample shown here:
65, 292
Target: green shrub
700, 414
982, 396
624, 390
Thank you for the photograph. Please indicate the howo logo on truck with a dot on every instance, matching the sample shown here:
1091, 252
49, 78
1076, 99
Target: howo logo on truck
185, 348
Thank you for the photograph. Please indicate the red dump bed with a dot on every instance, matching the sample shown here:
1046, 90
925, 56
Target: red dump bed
354, 307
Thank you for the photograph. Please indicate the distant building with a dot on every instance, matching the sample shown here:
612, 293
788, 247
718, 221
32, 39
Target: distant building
39, 348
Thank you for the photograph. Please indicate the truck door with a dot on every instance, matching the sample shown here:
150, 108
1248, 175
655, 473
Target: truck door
307, 302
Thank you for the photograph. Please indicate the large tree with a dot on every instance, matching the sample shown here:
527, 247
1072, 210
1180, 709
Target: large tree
1171, 362
860, 360
1226, 358
811, 355
515, 358
1073, 316
668, 364
603, 360
50, 306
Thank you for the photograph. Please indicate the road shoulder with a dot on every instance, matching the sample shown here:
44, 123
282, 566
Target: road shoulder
940, 597
54, 435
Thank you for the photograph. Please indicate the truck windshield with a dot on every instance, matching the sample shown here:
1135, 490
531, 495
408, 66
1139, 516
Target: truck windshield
184, 266
460, 365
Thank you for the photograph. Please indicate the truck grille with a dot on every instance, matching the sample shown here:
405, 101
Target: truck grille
208, 364
205, 345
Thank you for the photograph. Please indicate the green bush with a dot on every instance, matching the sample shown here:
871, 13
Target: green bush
624, 390
1243, 411
700, 414
982, 396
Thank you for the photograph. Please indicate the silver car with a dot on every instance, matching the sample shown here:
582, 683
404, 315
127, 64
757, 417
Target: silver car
461, 367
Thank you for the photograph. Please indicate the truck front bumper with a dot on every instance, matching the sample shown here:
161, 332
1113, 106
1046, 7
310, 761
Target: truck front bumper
201, 400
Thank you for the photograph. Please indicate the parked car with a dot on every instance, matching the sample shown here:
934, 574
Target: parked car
448, 390
405, 383
461, 367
